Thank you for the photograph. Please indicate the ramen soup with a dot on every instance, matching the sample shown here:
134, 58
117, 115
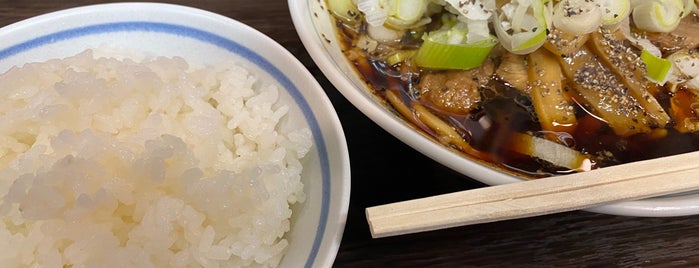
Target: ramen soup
534, 88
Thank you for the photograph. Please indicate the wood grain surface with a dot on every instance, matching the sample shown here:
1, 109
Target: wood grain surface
384, 170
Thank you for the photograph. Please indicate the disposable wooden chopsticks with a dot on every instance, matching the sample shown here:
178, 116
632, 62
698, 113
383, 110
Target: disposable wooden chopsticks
631, 181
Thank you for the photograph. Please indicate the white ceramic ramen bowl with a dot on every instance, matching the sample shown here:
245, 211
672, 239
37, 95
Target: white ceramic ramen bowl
313, 23
207, 38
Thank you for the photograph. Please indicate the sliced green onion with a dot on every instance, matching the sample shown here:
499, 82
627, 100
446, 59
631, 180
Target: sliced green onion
406, 13
400, 56
614, 11
375, 11
399, 14
638, 41
693, 83
450, 20
409, 10
521, 26
577, 16
658, 15
476, 14
439, 51
689, 7
344, 9
658, 69
383, 34
685, 68
526, 43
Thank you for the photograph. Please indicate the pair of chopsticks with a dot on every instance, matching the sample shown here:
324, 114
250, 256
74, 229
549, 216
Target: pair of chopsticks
637, 180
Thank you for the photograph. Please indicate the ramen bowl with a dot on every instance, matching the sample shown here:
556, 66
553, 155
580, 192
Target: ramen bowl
316, 28
136, 31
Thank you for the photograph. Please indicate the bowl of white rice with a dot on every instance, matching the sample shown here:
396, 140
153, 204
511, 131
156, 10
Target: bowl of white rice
157, 135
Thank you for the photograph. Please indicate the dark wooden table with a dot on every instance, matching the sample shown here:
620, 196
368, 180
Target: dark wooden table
385, 170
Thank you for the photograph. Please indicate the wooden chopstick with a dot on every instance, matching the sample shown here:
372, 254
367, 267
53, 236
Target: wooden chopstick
637, 180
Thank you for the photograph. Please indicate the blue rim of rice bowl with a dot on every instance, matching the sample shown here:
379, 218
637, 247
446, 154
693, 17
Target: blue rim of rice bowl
224, 43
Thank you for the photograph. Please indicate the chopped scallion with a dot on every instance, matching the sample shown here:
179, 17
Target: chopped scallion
685, 68
657, 69
400, 56
440, 52
614, 11
658, 15
521, 26
344, 9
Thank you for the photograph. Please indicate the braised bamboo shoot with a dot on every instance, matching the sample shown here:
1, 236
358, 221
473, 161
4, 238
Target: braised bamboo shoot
551, 102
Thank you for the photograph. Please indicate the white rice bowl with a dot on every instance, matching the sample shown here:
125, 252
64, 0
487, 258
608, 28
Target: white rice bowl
138, 154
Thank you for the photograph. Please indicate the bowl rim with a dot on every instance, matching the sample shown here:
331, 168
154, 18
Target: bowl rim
331, 224
303, 17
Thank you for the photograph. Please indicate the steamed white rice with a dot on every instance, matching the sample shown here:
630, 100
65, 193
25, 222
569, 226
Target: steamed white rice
117, 163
